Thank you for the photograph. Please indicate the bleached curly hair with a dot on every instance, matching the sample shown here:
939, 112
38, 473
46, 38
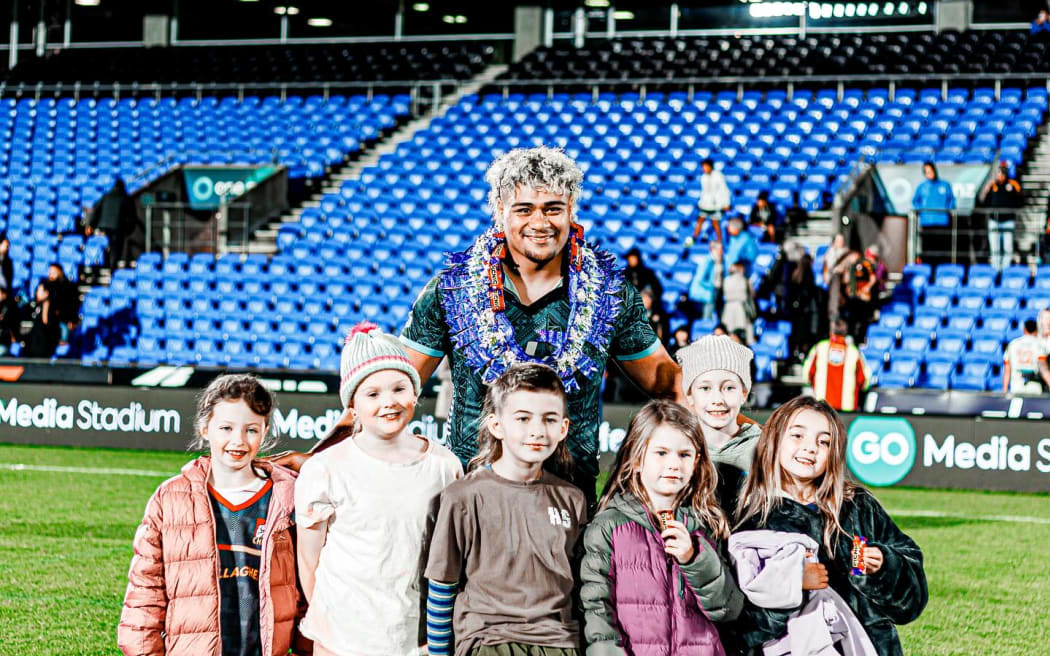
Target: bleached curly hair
539, 168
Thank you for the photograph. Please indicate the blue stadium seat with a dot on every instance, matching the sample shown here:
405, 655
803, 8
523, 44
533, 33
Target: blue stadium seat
928, 318
903, 371
949, 275
973, 375
940, 367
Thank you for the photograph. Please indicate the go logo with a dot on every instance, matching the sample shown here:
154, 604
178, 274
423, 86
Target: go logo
880, 450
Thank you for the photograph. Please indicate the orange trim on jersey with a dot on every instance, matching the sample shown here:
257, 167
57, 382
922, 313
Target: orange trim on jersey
235, 508
239, 548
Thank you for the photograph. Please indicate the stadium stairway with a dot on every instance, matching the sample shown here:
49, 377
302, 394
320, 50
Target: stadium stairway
1035, 184
264, 241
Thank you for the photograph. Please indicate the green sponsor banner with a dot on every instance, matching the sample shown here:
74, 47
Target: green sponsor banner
899, 181
206, 186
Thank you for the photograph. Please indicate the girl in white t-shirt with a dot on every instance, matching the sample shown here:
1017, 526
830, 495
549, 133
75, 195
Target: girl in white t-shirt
362, 506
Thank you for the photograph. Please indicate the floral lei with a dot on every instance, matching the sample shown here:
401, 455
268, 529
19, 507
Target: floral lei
471, 294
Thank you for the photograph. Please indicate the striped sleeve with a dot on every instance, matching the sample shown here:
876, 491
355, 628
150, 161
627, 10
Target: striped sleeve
441, 598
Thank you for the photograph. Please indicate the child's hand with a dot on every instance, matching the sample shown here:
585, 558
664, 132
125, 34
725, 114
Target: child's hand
814, 577
872, 559
678, 542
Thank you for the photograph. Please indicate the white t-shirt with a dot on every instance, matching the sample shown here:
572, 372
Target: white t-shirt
367, 597
1023, 355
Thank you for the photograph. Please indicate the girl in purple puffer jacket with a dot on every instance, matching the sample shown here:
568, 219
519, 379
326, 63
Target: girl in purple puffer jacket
654, 582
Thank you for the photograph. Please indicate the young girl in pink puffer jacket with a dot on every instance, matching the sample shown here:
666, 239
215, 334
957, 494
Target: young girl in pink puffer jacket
214, 565
654, 582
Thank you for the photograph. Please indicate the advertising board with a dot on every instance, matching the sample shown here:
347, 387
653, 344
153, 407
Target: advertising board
882, 450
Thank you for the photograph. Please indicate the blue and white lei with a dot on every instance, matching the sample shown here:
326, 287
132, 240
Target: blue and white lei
485, 336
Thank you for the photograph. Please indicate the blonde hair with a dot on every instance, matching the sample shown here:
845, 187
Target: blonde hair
538, 168
530, 377
761, 493
698, 494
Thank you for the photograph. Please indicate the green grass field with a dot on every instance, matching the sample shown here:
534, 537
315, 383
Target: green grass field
65, 545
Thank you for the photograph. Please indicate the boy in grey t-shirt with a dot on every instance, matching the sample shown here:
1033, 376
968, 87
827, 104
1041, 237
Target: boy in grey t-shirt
500, 565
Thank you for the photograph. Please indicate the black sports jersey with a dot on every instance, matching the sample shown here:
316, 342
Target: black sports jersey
238, 535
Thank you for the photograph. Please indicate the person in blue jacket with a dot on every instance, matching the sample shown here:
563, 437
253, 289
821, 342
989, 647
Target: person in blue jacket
933, 201
1041, 24
741, 246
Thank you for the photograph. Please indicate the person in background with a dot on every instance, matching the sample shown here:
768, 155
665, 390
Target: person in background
1002, 198
1041, 24
679, 340
66, 300
882, 275
862, 298
766, 215
1043, 324
714, 200
803, 307
835, 252
739, 311
838, 282
44, 335
1021, 373
1046, 235
837, 371
654, 310
742, 246
792, 285
7, 268
934, 202
706, 285
641, 276
115, 217
10, 322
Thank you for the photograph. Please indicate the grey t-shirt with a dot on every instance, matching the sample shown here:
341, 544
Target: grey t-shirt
511, 547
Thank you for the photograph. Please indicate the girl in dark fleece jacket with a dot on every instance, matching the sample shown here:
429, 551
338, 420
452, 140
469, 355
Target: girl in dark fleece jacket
653, 579
798, 485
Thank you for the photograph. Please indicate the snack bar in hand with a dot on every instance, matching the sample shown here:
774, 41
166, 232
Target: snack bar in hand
857, 555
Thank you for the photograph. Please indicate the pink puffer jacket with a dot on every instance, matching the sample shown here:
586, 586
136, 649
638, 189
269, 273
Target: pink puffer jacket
172, 601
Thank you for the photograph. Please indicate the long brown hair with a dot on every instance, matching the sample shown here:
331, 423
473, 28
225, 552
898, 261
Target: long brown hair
529, 377
699, 492
235, 387
762, 492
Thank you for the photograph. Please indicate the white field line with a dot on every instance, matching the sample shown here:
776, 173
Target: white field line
84, 470
1020, 519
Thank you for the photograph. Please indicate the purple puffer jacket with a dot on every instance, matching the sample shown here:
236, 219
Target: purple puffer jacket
638, 600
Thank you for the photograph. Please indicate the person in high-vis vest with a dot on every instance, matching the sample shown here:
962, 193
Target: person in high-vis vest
836, 370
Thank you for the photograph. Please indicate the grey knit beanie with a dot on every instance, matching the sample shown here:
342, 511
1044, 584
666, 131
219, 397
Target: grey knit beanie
368, 349
714, 352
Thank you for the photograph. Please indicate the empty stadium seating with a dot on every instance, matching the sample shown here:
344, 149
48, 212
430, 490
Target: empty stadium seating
58, 156
947, 328
260, 64
672, 59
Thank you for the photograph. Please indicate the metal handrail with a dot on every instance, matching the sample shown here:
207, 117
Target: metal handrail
774, 79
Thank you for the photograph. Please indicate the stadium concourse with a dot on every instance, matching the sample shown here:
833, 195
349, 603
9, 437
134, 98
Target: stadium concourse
364, 249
